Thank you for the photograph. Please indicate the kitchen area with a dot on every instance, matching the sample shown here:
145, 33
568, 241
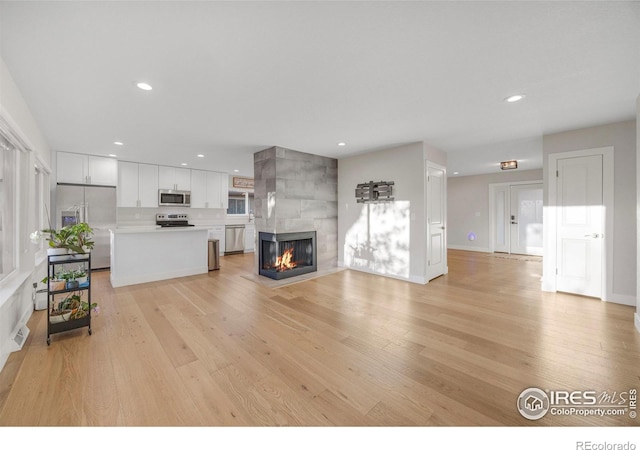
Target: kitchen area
155, 222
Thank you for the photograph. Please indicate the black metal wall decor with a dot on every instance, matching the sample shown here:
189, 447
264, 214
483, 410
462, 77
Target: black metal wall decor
371, 192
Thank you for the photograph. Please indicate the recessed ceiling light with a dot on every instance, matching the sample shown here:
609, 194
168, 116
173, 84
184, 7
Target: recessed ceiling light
112, 155
200, 156
342, 144
236, 170
456, 173
183, 164
514, 98
118, 143
144, 86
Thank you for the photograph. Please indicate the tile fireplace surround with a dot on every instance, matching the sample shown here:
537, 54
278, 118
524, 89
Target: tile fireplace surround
297, 192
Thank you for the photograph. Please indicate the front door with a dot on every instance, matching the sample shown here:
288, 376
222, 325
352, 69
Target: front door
436, 221
517, 225
525, 219
580, 225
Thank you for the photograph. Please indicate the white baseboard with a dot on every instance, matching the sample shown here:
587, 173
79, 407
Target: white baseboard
621, 299
411, 279
468, 248
547, 286
418, 280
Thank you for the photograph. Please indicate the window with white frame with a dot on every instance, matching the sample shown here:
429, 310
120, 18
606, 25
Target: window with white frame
41, 204
236, 205
240, 203
8, 166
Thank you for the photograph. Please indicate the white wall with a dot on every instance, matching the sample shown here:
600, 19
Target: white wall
435, 155
384, 238
15, 291
14, 106
637, 314
622, 137
468, 206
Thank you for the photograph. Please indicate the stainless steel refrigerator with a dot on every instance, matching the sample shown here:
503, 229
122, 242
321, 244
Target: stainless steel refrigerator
95, 205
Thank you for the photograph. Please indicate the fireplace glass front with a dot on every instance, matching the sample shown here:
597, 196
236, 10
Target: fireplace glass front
285, 255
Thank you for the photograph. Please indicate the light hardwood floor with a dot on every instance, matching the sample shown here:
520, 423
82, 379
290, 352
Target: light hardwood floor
345, 349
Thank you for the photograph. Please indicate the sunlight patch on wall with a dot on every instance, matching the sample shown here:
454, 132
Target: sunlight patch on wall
271, 204
379, 241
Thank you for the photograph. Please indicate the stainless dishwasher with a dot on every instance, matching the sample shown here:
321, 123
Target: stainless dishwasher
234, 239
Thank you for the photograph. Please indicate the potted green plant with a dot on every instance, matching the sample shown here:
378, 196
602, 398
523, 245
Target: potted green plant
72, 238
59, 240
55, 284
81, 241
80, 274
69, 277
70, 308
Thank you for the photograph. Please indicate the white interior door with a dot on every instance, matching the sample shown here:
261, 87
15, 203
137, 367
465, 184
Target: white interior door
525, 219
436, 222
580, 225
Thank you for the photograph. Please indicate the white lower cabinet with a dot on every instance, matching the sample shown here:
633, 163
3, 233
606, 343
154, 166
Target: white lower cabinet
249, 238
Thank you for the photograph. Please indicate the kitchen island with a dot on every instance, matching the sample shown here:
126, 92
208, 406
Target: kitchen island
145, 254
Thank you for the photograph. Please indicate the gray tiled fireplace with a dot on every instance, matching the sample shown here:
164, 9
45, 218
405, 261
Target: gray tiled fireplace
297, 192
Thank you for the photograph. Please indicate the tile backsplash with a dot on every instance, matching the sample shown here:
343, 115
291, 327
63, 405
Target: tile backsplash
132, 217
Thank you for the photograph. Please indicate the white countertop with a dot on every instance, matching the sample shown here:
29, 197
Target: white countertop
157, 229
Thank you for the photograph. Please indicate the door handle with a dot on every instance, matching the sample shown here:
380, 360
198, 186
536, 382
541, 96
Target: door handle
592, 235
514, 223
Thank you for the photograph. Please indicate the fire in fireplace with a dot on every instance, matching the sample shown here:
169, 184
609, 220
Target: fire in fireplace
285, 255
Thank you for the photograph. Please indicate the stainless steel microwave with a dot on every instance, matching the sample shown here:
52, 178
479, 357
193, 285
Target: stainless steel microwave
168, 197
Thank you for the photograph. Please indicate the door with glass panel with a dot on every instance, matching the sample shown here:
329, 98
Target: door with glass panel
518, 219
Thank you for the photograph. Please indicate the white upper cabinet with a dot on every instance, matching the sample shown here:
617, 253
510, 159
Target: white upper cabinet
224, 190
127, 191
213, 190
103, 171
198, 188
174, 178
148, 185
206, 189
137, 185
76, 168
72, 168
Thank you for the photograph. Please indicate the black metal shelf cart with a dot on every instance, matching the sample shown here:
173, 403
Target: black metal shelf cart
62, 320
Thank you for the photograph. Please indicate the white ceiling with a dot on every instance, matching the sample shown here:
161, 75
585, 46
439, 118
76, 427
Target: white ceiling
232, 78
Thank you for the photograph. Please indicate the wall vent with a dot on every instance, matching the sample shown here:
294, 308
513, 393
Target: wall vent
19, 338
